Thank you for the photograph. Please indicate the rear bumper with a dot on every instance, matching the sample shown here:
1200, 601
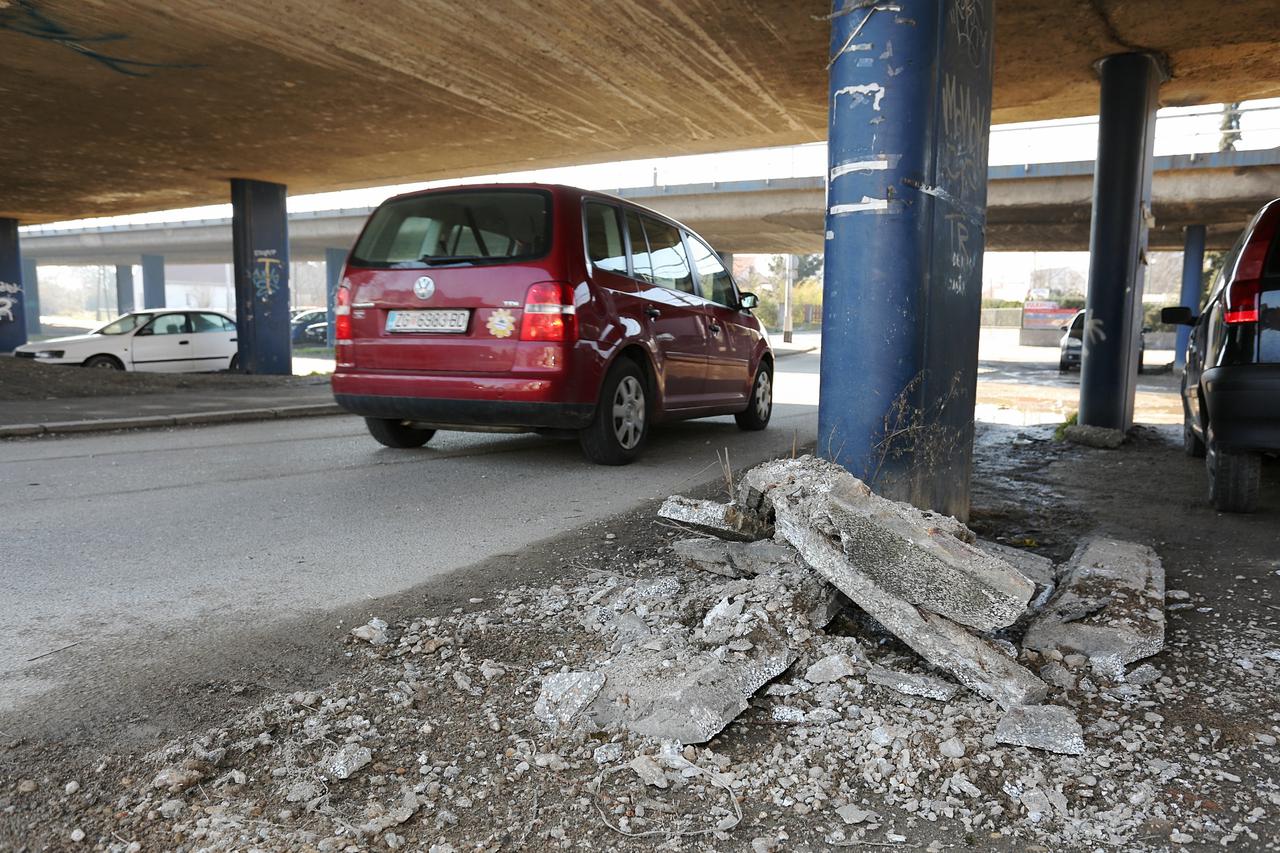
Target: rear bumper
1244, 405
461, 402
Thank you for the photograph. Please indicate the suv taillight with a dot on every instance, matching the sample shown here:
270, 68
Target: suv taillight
342, 313
548, 313
1241, 301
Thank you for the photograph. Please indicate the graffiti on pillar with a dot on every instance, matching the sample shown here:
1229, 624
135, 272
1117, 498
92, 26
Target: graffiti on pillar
964, 125
969, 21
10, 293
25, 17
266, 274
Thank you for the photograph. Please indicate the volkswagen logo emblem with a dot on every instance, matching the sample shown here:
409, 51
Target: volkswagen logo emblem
424, 288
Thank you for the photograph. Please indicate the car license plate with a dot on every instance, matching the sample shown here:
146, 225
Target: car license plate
442, 322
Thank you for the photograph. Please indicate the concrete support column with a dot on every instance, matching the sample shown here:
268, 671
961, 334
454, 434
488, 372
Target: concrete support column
1118, 238
31, 296
260, 249
1192, 285
910, 110
787, 323
124, 288
13, 321
153, 281
334, 261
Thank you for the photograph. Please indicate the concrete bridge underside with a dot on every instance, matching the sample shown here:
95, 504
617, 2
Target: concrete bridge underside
124, 107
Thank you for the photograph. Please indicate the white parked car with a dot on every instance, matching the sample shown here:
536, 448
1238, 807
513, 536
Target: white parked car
157, 340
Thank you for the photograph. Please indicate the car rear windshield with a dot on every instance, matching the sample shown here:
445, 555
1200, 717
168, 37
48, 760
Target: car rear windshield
462, 227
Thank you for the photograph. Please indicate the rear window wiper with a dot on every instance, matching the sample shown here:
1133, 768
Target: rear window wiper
435, 261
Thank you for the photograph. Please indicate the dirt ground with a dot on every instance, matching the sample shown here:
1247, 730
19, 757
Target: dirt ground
22, 379
207, 753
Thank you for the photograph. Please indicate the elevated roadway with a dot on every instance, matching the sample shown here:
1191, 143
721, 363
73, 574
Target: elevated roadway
1040, 207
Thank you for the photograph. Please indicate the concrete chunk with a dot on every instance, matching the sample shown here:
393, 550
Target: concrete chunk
564, 695
1035, 568
735, 559
925, 559
1109, 606
724, 520
1048, 727
689, 699
831, 668
973, 662
912, 684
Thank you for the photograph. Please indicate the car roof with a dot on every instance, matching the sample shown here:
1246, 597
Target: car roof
176, 310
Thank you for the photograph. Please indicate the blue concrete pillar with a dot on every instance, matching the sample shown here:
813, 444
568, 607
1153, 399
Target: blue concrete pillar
31, 296
260, 251
124, 288
153, 281
13, 321
1192, 286
910, 110
334, 261
1118, 238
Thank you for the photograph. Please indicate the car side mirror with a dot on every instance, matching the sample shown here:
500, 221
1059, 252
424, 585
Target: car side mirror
145, 330
1146, 330
747, 301
1179, 316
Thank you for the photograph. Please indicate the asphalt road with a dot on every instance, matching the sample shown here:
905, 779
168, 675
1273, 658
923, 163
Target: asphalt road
141, 544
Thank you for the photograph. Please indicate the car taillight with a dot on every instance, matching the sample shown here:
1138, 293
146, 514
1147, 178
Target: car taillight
548, 313
342, 313
1245, 290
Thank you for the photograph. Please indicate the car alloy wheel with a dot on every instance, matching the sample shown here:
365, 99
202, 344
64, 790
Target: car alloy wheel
763, 395
628, 413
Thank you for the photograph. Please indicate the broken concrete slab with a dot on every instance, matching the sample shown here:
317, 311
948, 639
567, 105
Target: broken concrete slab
1035, 568
973, 662
923, 558
724, 520
735, 559
1109, 606
564, 695
343, 762
689, 696
831, 668
1048, 727
1102, 438
912, 684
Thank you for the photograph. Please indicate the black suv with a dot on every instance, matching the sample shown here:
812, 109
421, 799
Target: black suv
1231, 387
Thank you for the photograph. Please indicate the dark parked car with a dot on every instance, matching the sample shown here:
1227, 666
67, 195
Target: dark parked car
1231, 387
304, 319
1070, 345
525, 307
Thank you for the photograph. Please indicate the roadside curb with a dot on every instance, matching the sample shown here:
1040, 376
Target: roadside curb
790, 352
185, 419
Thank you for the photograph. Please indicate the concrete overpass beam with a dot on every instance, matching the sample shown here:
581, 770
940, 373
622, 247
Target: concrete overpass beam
1118, 238
1192, 276
153, 281
334, 261
13, 322
910, 109
260, 249
124, 288
31, 296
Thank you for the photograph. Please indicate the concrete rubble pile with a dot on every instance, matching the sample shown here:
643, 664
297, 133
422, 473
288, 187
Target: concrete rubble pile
924, 578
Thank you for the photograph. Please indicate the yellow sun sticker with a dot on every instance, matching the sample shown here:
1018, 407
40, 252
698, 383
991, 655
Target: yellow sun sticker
501, 323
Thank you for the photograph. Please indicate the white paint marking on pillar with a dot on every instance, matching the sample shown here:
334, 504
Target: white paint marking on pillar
868, 204
867, 90
859, 166
831, 235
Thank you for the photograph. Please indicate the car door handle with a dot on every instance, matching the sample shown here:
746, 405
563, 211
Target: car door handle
653, 313
183, 343
233, 340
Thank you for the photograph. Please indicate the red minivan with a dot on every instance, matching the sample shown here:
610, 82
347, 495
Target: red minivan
527, 307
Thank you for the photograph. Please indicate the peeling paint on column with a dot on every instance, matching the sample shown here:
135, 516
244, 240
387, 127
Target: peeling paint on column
867, 205
876, 164
860, 94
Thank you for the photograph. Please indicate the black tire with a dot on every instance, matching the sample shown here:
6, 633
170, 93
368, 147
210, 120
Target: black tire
760, 404
1234, 477
397, 434
234, 366
1142, 355
1063, 367
620, 426
104, 362
1191, 443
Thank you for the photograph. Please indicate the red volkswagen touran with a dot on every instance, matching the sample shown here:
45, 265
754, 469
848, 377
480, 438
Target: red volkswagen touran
511, 308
